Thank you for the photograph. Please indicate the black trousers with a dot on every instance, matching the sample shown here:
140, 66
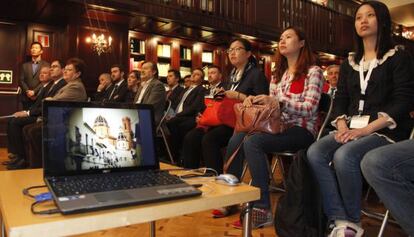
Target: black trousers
33, 138
15, 139
207, 144
179, 127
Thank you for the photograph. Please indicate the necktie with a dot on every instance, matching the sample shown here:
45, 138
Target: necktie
332, 90
169, 93
113, 91
35, 67
49, 92
180, 105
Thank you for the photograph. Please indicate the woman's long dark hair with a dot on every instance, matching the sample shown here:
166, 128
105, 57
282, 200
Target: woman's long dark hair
305, 60
384, 40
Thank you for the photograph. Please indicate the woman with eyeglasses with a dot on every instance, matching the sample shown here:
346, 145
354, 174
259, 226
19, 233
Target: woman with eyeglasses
297, 86
371, 109
245, 79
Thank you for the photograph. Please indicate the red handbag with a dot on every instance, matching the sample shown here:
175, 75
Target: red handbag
218, 112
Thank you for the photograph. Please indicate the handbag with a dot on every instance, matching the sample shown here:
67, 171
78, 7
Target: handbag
255, 118
258, 118
218, 112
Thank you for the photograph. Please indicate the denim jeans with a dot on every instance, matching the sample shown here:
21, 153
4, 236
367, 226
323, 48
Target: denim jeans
390, 171
255, 149
341, 187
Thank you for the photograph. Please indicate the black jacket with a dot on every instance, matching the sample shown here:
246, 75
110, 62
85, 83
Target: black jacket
50, 91
252, 82
390, 90
194, 103
175, 96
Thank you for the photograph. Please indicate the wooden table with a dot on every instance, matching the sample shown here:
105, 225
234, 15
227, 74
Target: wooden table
17, 219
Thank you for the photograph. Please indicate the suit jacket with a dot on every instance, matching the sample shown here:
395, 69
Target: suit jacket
73, 91
120, 94
103, 95
390, 90
154, 95
29, 80
175, 96
36, 109
194, 103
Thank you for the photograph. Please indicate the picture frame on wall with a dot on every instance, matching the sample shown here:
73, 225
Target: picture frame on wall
42, 37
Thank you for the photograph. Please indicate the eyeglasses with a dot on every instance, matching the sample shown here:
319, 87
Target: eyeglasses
236, 49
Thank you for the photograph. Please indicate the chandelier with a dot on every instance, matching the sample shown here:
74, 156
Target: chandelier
408, 34
99, 43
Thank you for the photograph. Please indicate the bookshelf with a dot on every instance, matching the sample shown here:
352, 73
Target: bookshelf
164, 59
206, 60
186, 64
137, 53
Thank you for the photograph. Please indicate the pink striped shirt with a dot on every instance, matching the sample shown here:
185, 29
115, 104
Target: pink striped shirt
299, 99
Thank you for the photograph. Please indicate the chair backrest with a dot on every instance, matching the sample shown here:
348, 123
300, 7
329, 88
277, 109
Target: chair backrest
325, 109
164, 116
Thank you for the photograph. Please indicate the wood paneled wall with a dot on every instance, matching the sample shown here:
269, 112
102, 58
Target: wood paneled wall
96, 64
15, 40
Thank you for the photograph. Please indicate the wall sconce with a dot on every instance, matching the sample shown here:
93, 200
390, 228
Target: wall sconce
408, 35
99, 43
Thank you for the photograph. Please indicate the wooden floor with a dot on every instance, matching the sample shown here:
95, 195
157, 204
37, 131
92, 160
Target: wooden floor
201, 224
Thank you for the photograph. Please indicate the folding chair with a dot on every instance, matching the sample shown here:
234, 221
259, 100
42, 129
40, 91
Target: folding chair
160, 131
324, 109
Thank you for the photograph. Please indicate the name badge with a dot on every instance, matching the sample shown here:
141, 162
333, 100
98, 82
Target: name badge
359, 121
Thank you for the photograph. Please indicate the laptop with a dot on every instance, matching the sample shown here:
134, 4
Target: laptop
99, 155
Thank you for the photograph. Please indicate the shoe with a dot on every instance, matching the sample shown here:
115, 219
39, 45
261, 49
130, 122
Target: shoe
346, 229
19, 164
11, 161
260, 218
224, 211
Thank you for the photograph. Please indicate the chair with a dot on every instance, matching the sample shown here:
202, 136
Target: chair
160, 131
325, 109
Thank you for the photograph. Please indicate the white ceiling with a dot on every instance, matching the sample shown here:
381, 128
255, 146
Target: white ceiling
402, 11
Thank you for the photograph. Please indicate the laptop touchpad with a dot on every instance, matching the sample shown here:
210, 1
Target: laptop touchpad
112, 196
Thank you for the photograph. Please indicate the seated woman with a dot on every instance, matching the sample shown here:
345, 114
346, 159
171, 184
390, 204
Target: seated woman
370, 110
246, 79
133, 81
297, 86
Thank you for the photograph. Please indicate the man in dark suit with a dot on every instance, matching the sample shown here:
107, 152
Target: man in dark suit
175, 90
190, 105
119, 88
25, 117
193, 149
103, 91
29, 75
151, 90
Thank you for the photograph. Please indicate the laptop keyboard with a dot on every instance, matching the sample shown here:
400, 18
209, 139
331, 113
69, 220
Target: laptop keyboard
76, 185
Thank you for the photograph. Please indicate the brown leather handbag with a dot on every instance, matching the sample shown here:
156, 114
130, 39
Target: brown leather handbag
258, 118
255, 118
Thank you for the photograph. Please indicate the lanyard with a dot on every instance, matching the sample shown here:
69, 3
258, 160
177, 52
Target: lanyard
234, 81
363, 81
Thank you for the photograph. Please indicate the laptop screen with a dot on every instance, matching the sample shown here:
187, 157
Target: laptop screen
80, 137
